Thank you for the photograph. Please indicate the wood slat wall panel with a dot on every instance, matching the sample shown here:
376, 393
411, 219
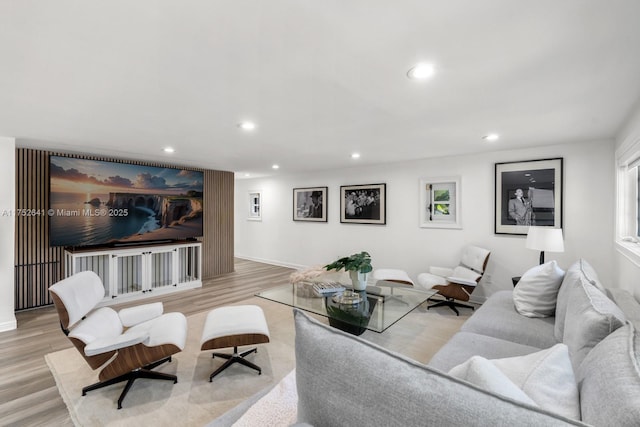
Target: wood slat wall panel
217, 247
38, 265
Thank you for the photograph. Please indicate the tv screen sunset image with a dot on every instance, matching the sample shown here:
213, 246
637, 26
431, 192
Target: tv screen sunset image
96, 202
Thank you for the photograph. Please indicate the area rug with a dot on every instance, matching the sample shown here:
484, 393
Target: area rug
193, 401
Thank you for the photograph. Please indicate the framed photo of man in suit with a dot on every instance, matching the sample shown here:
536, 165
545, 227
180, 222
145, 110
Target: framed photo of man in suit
528, 193
310, 204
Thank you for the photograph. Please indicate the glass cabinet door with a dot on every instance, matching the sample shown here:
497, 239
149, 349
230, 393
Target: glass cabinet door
129, 273
99, 264
189, 268
161, 269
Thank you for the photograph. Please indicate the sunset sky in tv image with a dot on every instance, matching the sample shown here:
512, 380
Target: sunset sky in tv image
71, 175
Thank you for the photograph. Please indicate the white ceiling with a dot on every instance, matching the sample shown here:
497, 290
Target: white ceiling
321, 78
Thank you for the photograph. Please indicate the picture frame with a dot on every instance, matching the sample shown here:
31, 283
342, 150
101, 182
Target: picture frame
440, 203
310, 204
528, 193
363, 204
255, 205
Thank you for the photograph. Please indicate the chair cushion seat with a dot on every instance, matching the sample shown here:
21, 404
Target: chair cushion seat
234, 326
170, 328
428, 280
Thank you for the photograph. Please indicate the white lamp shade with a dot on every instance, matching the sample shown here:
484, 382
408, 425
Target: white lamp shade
545, 239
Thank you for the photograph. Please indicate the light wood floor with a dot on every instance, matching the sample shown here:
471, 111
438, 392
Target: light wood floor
28, 393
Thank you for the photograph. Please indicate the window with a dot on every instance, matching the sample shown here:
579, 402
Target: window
440, 203
628, 202
255, 206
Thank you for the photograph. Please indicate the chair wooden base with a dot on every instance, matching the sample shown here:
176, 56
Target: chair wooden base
452, 304
235, 358
130, 377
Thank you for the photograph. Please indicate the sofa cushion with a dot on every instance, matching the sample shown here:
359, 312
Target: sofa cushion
627, 304
546, 377
537, 290
577, 272
344, 380
464, 345
590, 274
609, 380
498, 318
590, 317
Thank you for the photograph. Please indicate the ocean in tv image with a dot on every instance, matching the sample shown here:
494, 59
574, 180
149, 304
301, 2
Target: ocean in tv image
98, 202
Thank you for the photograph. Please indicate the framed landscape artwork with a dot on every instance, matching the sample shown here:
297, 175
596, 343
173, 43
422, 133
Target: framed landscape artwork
528, 193
310, 204
440, 203
255, 206
363, 204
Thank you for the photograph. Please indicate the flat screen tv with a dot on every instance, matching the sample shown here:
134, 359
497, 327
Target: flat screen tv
95, 203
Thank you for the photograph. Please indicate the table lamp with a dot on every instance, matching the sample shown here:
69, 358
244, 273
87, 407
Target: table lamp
545, 239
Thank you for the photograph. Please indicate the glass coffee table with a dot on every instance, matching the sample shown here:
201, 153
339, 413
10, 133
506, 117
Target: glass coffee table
380, 305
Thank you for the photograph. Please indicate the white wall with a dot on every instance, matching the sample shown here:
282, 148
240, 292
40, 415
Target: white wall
627, 271
588, 216
7, 226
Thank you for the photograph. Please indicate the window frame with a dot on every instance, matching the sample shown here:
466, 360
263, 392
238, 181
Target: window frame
627, 201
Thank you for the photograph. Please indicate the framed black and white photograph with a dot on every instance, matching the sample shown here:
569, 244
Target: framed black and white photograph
255, 205
528, 193
310, 204
440, 203
363, 204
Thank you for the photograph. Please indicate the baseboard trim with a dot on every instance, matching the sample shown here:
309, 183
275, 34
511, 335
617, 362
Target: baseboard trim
9, 326
272, 262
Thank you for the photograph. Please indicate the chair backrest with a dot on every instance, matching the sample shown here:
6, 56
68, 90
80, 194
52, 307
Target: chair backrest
76, 296
475, 258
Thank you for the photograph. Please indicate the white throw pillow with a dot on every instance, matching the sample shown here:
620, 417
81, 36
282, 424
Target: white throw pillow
537, 291
481, 372
546, 377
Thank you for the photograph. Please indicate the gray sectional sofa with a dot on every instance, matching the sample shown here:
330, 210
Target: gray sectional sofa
377, 387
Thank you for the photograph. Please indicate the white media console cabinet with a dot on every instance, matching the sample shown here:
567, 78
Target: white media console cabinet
140, 271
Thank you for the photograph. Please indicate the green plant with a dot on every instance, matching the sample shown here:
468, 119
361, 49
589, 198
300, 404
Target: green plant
360, 262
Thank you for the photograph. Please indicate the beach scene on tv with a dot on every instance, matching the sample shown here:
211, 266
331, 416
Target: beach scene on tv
98, 202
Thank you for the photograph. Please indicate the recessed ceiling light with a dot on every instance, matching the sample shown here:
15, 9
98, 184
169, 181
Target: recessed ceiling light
421, 71
169, 150
247, 175
248, 126
275, 167
355, 156
491, 137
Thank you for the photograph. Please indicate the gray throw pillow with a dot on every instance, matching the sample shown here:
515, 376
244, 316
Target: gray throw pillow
609, 380
591, 316
578, 271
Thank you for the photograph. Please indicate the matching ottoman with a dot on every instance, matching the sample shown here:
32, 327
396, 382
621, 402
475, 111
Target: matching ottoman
392, 275
234, 326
